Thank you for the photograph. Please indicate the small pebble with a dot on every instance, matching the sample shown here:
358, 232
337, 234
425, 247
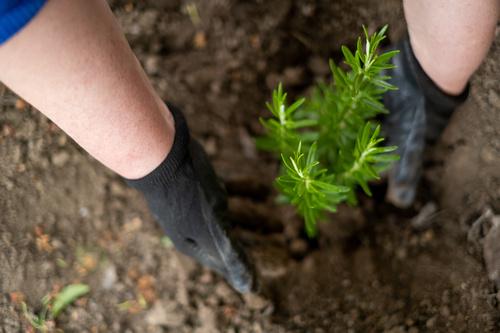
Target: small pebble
118, 189
152, 64
210, 145
206, 277
487, 155
425, 217
7, 130
200, 40
21, 167
62, 140
9, 185
255, 302
165, 314
59, 159
109, 277
223, 291
491, 252
133, 225
20, 104
494, 99
298, 247
431, 322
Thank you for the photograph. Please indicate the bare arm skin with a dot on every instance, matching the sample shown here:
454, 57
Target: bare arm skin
73, 63
450, 38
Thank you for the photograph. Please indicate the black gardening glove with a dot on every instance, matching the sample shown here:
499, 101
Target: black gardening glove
189, 202
418, 113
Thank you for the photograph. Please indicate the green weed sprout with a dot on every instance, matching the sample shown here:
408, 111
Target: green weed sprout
53, 306
330, 143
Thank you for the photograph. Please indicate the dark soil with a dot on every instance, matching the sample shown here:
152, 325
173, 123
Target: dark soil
64, 218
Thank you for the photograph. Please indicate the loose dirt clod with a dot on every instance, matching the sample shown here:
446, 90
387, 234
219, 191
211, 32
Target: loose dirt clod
491, 248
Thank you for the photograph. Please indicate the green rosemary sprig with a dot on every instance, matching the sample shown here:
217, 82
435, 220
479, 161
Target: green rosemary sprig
335, 128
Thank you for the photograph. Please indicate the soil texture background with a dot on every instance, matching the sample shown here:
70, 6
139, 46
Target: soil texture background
64, 218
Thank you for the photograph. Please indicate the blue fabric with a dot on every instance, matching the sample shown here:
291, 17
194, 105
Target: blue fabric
15, 14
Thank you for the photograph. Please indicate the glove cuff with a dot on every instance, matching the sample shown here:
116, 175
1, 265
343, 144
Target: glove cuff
167, 169
431, 91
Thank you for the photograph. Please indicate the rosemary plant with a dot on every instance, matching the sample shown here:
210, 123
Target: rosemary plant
330, 143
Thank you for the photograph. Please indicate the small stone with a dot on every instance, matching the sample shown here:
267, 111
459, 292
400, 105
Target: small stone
133, 29
38, 185
7, 130
207, 318
409, 322
427, 237
494, 99
255, 41
425, 217
431, 322
152, 64
9, 184
147, 20
200, 40
62, 140
210, 145
487, 155
165, 314
397, 329
491, 253
59, 159
20, 104
16, 154
307, 9
57, 244
256, 328
133, 225
182, 294
128, 7
298, 248
206, 277
109, 277
255, 302
401, 253
21, 167
223, 291
84, 212
117, 189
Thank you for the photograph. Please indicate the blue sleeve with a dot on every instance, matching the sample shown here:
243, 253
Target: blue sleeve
15, 14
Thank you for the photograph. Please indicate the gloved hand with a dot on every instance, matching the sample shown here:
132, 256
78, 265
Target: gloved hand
418, 113
186, 198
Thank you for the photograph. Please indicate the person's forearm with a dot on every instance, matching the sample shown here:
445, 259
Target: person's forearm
72, 63
450, 38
